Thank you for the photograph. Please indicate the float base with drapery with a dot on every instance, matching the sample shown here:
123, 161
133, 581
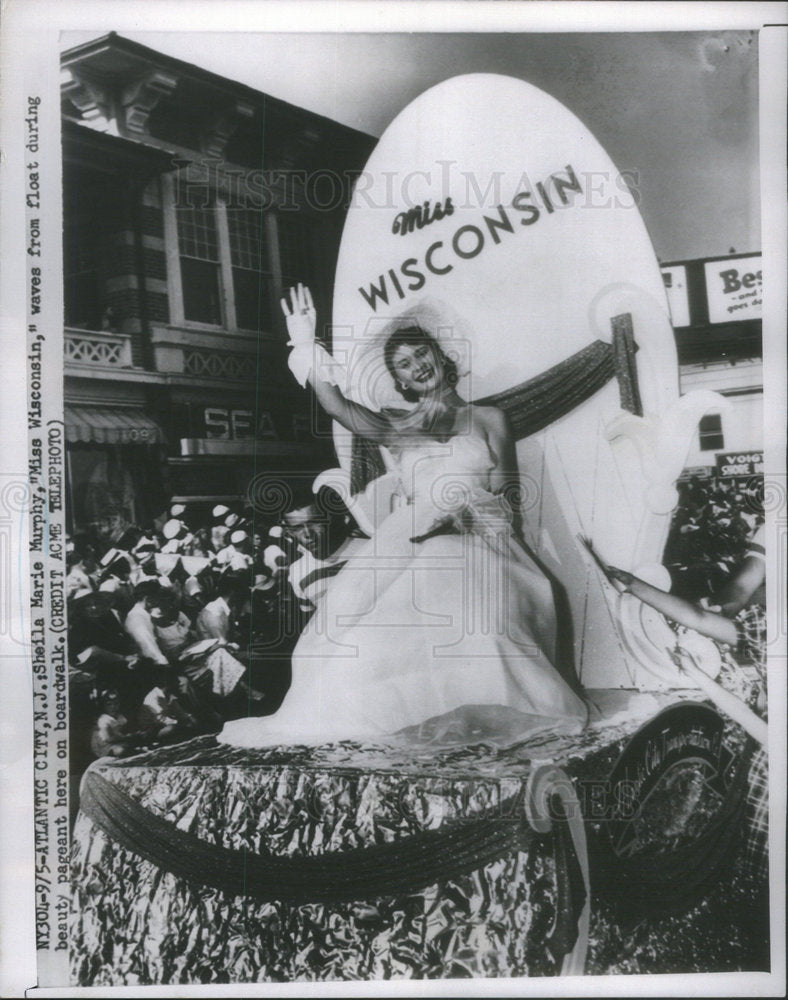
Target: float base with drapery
617, 850
207, 863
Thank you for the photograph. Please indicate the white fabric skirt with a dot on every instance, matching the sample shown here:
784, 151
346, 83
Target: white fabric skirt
452, 637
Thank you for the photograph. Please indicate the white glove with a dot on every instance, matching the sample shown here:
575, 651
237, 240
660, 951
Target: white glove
307, 355
300, 316
306, 359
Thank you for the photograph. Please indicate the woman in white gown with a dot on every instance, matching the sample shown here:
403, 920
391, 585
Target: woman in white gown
441, 626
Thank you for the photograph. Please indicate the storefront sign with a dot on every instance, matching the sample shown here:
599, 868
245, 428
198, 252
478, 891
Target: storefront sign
232, 425
739, 463
734, 288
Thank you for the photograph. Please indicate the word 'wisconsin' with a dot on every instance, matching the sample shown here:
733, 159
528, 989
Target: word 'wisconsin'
469, 240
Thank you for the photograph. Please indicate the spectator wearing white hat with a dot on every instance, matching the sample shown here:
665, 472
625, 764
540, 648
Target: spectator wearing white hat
237, 555
177, 535
219, 530
280, 552
115, 579
145, 546
175, 510
143, 556
193, 598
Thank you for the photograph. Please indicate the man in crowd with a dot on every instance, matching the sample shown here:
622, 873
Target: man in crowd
322, 532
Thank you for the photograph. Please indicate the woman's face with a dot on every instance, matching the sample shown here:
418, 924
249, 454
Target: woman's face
417, 367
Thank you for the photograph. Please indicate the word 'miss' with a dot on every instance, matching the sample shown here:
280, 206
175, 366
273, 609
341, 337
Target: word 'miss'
421, 216
469, 240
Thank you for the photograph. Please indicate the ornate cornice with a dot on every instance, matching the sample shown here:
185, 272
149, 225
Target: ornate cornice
138, 99
89, 97
222, 126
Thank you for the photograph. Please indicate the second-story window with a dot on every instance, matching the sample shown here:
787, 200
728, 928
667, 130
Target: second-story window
295, 249
230, 260
90, 216
83, 278
710, 432
253, 278
198, 246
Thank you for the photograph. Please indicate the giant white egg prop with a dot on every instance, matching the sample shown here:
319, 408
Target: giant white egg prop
490, 214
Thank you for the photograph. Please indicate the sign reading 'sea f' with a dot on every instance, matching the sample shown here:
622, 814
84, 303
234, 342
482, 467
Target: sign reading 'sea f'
490, 215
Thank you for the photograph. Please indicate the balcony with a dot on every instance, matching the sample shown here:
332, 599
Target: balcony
181, 356
97, 349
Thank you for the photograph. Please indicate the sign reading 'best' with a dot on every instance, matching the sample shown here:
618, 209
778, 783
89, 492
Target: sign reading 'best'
734, 288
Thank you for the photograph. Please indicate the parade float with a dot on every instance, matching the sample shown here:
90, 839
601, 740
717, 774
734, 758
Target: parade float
490, 216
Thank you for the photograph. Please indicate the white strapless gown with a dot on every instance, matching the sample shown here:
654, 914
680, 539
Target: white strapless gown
450, 639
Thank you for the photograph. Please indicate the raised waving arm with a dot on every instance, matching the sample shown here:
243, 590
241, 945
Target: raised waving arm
310, 362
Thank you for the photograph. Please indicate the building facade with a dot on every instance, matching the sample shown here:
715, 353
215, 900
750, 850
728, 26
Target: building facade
190, 204
715, 306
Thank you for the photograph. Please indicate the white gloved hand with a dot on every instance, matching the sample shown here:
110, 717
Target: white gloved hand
307, 355
300, 316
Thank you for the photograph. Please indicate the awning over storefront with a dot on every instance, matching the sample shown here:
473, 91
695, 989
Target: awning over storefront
105, 425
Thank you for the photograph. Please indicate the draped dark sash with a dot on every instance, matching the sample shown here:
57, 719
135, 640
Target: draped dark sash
380, 870
540, 401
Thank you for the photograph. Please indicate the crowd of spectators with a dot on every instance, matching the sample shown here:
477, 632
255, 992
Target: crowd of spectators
711, 528
177, 627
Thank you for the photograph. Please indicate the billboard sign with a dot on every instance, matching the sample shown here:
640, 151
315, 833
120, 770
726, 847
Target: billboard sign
734, 288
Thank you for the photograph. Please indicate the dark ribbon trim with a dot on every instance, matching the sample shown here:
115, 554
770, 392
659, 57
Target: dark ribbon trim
323, 573
382, 870
540, 401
